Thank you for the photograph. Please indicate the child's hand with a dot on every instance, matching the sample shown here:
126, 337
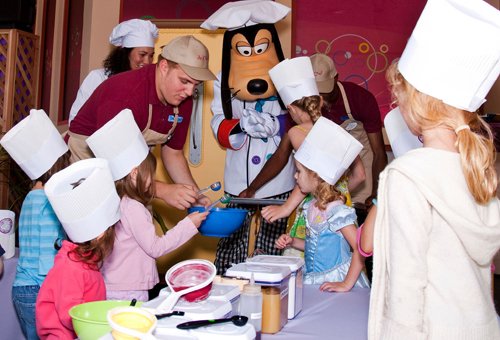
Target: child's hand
335, 287
197, 217
272, 213
283, 241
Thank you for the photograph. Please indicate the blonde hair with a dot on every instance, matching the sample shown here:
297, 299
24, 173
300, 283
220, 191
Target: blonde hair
324, 191
311, 105
140, 192
476, 146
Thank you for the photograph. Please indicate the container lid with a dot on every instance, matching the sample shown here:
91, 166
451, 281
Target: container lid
293, 262
263, 273
224, 292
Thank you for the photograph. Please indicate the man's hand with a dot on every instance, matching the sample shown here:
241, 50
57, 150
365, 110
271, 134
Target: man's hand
180, 196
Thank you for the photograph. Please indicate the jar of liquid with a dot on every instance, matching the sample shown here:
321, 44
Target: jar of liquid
251, 305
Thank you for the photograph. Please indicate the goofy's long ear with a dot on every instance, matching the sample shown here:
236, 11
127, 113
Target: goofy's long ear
225, 67
279, 53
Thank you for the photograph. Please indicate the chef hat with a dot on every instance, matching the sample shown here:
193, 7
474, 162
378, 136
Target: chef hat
121, 143
294, 79
400, 136
328, 150
84, 199
324, 71
134, 33
7, 233
34, 144
191, 55
237, 14
453, 53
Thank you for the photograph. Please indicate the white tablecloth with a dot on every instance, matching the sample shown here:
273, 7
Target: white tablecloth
328, 316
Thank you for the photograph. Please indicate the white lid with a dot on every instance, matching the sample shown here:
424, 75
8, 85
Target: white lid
224, 292
263, 273
134, 33
166, 329
292, 262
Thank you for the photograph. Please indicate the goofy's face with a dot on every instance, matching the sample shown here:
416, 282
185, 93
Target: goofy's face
251, 60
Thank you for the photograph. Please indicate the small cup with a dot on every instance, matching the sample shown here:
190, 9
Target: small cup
129, 323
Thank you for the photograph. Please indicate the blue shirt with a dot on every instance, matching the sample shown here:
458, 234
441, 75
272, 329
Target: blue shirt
39, 229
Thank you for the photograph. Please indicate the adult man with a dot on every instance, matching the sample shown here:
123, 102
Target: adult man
157, 95
356, 109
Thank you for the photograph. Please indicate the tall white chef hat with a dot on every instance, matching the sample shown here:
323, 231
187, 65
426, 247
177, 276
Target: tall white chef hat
84, 199
328, 150
294, 79
453, 53
237, 14
34, 144
121, 143
134, 33
400, 136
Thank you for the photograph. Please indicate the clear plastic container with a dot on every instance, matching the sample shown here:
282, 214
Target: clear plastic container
251, 305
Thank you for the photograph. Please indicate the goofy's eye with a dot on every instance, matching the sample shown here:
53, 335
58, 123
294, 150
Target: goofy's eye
245, 51
260, 48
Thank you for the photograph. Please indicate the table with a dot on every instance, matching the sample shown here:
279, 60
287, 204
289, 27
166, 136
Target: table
9, 324
328, 315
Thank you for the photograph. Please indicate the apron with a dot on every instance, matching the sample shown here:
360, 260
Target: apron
356, 129
80, 150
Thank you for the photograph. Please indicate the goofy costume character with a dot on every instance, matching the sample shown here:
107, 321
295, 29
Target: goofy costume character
249, 118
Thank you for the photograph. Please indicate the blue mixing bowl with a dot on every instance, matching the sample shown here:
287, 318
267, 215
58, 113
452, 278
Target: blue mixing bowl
221, 222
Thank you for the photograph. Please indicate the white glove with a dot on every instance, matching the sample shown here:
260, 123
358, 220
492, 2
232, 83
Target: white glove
259, 124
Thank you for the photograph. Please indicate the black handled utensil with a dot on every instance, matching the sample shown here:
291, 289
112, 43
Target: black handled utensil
238, 320
166, 315
133, 302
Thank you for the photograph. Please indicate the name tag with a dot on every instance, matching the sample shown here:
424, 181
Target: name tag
172, 117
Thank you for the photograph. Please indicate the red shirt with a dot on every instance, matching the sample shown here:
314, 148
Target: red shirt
68, 283
364, 108
133, 90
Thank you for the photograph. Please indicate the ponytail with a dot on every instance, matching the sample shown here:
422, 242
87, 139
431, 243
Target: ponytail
477, 154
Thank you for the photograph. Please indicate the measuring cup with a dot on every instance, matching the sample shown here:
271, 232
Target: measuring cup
191, 279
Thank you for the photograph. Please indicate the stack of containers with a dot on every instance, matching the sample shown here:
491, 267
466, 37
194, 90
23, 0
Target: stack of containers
274, 281
296, 266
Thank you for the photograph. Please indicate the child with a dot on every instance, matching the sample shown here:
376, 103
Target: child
304, 106
330, 224
85, 200
438, 219
36, 145
137, 245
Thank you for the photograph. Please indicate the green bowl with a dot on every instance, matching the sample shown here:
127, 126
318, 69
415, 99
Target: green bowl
89, 319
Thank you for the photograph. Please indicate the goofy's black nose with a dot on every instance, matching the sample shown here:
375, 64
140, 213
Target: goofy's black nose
257, 86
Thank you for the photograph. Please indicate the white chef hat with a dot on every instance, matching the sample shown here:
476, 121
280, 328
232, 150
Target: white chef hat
453, 53
237, 14
134, 33
294, 79
7, 233
400, 136
86, 210
328, 150
121, 143
34, 144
